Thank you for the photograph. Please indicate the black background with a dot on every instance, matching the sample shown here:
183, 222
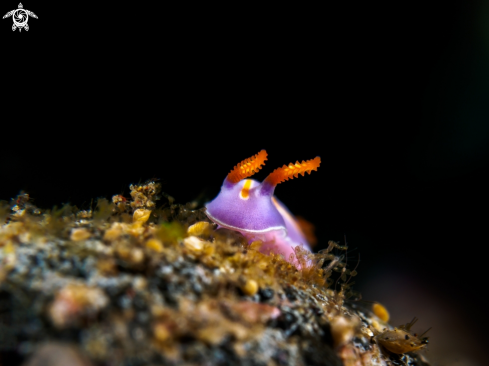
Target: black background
393, 96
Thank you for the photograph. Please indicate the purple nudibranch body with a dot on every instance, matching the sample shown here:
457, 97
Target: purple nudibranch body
249, 207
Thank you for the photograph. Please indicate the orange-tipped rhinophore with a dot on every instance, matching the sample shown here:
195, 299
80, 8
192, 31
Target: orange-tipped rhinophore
247, 167
291, 171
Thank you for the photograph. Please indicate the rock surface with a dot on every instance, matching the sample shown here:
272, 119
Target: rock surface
132, 284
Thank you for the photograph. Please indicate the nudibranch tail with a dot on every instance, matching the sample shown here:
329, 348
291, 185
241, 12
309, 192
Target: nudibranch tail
247, 167
291, 171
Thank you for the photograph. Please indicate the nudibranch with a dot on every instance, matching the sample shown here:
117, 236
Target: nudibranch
249, 207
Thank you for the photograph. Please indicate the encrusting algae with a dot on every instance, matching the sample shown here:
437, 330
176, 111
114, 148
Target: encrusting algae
134, 283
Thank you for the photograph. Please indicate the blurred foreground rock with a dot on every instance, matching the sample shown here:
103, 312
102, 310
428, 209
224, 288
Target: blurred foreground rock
131, 284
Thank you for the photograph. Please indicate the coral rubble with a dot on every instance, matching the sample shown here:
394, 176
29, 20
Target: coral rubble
130, 283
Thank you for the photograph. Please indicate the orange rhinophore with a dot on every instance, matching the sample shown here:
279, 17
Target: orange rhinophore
291, 171
247, 167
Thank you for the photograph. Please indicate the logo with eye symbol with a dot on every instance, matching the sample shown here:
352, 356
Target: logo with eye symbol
20, 17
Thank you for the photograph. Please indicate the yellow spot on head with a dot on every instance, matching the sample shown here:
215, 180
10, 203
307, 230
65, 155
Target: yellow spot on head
245, 191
